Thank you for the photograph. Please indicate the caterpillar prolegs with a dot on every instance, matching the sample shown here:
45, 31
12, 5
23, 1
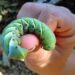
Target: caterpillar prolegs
12, 33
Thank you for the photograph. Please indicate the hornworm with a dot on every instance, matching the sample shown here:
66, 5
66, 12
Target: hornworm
12, 33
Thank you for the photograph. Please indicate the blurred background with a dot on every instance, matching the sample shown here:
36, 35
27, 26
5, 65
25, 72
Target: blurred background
8, 12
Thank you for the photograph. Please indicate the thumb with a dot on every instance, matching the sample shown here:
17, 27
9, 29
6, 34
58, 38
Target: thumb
29, 41
36, 56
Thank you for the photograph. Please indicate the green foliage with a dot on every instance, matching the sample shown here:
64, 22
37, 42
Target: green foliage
8, 6
8, 11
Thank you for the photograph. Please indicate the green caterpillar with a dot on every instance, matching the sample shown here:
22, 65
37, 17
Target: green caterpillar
12, 33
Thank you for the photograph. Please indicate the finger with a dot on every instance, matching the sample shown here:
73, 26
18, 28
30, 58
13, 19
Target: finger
46, 17
29, 41
65, 45
40, 12
30, 10
65, 32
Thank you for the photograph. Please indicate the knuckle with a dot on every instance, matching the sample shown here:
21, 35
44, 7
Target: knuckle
28, 4
64, 9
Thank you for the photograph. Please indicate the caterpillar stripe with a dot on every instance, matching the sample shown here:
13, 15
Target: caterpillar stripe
12, 33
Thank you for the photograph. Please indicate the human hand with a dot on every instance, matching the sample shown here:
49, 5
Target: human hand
61, 21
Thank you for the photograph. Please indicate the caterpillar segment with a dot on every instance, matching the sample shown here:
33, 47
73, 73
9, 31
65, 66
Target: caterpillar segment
12, 33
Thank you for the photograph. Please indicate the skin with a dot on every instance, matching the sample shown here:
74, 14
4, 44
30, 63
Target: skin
61, 60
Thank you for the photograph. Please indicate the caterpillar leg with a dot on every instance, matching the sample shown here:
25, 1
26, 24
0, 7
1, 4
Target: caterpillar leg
5, 60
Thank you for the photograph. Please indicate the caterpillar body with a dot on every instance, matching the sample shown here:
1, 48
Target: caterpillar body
12, 33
